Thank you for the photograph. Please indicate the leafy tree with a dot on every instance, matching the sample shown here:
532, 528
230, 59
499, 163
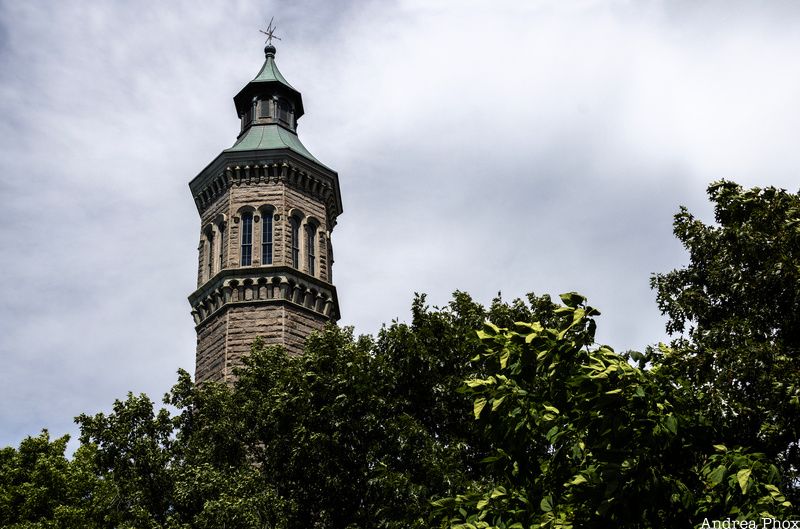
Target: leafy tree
132, 454
736, 308
357, 432
41, 488
363, 432
216, 483
585, 439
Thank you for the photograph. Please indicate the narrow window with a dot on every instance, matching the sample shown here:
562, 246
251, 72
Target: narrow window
210, 255
329, 259
295, 242
221, 246
283, 111
247, 115
310, 254
247, 239
266, 238
263, 111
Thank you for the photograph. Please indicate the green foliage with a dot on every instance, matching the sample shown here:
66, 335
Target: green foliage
132, 453
357, 432
740, 485
363, 432
41, 488
585, 439
737, 304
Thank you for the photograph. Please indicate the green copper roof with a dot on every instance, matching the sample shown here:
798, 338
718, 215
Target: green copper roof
266, 137
270, 73
268, 82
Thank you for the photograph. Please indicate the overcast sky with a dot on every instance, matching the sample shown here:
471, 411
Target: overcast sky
483, 146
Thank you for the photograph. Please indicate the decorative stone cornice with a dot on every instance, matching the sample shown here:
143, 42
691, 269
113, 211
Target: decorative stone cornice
263, 285
228, 171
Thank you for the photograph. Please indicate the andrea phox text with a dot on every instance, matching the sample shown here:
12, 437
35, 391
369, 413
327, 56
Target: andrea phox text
763, 523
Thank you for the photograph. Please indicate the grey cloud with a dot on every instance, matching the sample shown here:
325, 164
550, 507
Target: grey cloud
540, 147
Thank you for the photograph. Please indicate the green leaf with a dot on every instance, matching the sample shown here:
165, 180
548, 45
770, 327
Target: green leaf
577, 480
717, 475
671, 424
743, 477
478, 407
572, 299
546, 504
496, 493
496, 403
504, 358
490, 328
551, 434
482, 335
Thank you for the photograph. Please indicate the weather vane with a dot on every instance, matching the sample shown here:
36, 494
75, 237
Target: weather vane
270, 32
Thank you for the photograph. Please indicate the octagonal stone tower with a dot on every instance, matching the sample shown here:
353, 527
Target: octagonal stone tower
267, 208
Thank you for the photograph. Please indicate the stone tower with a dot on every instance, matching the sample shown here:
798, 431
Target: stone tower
267, 208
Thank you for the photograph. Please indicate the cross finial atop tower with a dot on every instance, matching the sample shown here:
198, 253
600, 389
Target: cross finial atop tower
270, 32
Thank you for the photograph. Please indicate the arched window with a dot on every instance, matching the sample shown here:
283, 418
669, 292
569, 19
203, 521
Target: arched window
311, 256
295, 222
247, 239
266, 237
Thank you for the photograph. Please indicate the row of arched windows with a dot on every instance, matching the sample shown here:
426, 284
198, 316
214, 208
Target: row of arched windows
302, 244
267, 237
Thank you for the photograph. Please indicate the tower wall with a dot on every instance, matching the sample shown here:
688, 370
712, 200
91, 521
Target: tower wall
211, 349
233, 332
